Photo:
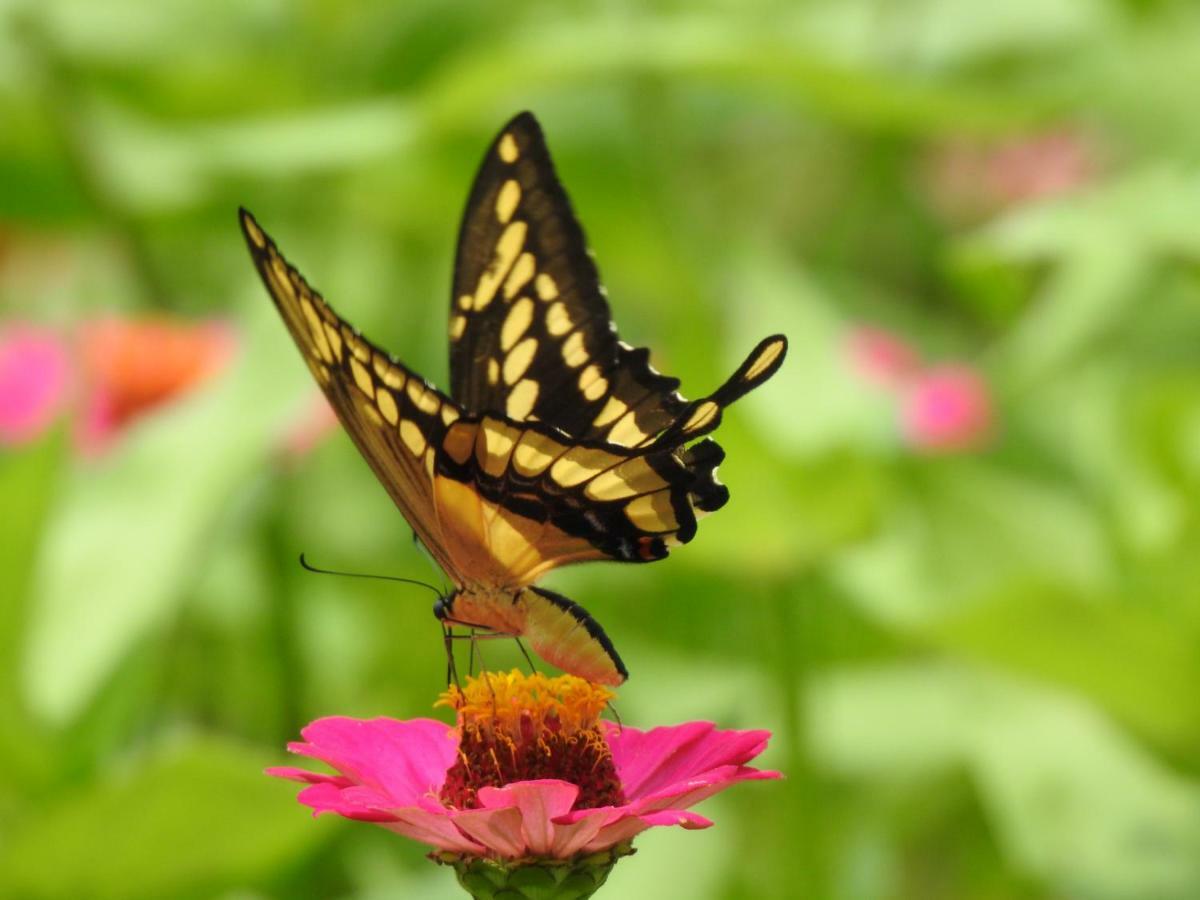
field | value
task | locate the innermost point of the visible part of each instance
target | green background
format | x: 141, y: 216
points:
x: 980, y: 668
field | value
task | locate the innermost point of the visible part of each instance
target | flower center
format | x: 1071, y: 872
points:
x: 516, y: 727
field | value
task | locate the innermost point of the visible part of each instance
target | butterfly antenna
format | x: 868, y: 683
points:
x: 311, y: 568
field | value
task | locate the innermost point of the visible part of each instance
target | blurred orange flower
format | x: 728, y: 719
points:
x: 130, y: 366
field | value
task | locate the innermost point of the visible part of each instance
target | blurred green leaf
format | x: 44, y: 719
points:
x: 189, y: 821
x: 144, y: 517
x: 1073, y: 798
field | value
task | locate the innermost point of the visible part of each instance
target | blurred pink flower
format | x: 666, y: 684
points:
x: 970, y: 179
x: 947, y: 408
x: 450, y: 788
x: 35, y: 381
x: 1040, y: 165
x: 131, y: 366
x: 881, y: 357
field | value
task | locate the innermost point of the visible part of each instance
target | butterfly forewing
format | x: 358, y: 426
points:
x: 395, y: 417
x: 531, y: 335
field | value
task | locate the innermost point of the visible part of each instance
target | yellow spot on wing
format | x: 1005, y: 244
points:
x: 518, y: 359
x: 574, y: 353
x: 701, y: 417
x: 635, y: 476
x: 357, y: 346
x: 254, y: 231
x: 423, y: 399
x: 765, y: 360
x: 652, y: 512
x: 522, y: 271
x: 515, y: 324
x: 612, y: 410
x: 362, y: 378
x: 534, y: 453
x: 581, y: 463
x: 320, y: 341
x: 522, y: 398
x: 545, y: 287
x: 493, y: 445
x: 493, y: 373
x: 558, y: 319
x: 449, y: 413
x: 412, y: 436
x: 626, y: 432
x: 458, y: 324
x: 387, y: 405
x: 387, y: 373
x: 596, y: 389
x: 507, y: 200
x: 335, y: 340
x: 465, y: 301
x: 507, y: 248
x: 508, y: 148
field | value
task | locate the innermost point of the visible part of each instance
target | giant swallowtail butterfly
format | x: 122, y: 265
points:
x: 558, y: 442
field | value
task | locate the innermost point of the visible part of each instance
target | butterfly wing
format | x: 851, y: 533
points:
x: 531, y: 335
x: 394, y: 416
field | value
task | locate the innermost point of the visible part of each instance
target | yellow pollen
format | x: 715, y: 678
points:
x: 500, y: 701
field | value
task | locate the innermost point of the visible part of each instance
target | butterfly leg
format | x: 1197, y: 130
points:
x: 448, y: 638
x: 525, y: 653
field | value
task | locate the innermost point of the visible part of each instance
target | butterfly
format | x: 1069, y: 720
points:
x: 558, y: 442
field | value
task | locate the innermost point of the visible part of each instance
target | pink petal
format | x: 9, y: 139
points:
x: 326, y: 797
x: 629, y: 826
x: 539, y: 802
x: 433, y: 828
x: 658, y: 760
x: 497, y: 829
x: 304, y: 775
x: 686, y: 794
x: 404, y: 760
x: 35, y: 375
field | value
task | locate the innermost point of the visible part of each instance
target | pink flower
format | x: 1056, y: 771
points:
x: 880, y: 356
x: 450, y: 788
x: 947, y: 408
x: 131, y: 366
x: 973, y: 179
x: 35, y: 380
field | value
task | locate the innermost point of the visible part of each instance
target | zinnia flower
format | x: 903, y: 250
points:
x: 947, y: 408
x: 35, y: 381
x: 528, y: 779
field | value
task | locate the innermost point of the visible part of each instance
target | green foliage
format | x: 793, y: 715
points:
x: 980, y: 667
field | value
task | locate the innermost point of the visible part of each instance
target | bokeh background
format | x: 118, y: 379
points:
x: 958, y: 577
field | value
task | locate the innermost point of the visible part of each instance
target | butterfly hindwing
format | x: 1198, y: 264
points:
x: 394, y: 416
x: 531, y: 334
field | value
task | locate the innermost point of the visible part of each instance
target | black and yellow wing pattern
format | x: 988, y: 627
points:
x: 559, y: 443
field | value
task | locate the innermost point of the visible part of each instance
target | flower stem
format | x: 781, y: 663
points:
x: 540, y: 879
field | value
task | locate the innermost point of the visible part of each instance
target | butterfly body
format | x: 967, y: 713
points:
x: 558, y: 442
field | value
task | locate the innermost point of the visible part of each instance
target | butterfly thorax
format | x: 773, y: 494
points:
x: 495, y: 608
